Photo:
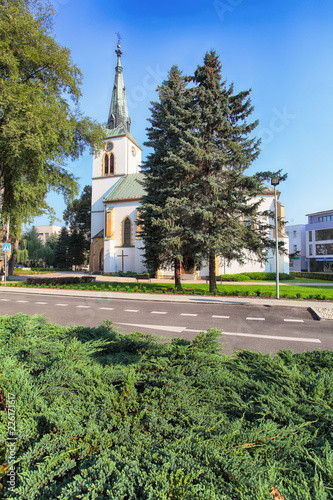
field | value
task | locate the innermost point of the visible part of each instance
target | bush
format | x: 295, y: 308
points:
x: 312, y: 276
x: 105, y: 415
x: 60, y: 280
x: 255, y: 277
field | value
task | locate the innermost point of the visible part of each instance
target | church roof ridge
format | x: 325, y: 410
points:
x: 121, y: 131
x: 128, y: 187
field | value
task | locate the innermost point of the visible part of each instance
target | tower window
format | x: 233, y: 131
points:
x: 106, y: 165
x: 112, y: 163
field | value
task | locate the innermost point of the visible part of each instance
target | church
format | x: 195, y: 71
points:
x: 116, y: 193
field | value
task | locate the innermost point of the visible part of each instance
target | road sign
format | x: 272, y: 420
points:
x: 6, y: 247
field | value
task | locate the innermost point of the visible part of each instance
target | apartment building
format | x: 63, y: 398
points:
x: 319, y: 241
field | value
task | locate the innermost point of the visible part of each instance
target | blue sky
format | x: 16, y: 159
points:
x: 281, y: 49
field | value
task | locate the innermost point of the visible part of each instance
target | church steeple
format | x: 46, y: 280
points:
x: 118, y: 114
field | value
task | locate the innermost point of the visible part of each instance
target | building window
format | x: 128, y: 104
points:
x: 295, y: 248
x: 324, y: 249
x: 112, y: 163
x: 324, y: 234
x: 127, y: 232
x: 310, y: 249
x: 310, y: 235
x: 106, y: 165
x: 294, y: 234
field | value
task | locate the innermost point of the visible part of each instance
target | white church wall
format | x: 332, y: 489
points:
x: 97, y: 222
x: 114, y: 248
x: 139, y: 263
x: 134, y: 158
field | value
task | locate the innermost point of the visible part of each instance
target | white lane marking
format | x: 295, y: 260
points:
x: 41, y: 303
x: 177, y: 329
x: 62, y: 305
x: 84, y: 307
x: 255, y: 319
x: 187, y: 314
x: 294, y: 320
x: 5, y: 300
x: 158, y: 312
x: 107, y: 308
x: 269, y: 337
x: 22, y: 301
x: 180, y: 329
x: 131, y: 310
x: 222, y: 317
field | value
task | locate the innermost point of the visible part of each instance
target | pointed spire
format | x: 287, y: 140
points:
x: 118, y: 114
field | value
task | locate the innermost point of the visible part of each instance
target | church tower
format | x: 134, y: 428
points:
x: 119, y: 163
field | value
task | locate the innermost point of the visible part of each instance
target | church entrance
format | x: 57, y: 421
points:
x: 101, y: 260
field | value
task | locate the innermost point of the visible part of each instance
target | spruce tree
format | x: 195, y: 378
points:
x: 168, y: 171
x: 226, y: 219
x: 61, y: 256
x: 76, y: 248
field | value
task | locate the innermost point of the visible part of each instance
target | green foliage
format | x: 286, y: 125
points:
x: 104, y: 415
x: 77, y: 216
x: 199, y: 202
x: 61, y: 253
x: 256, y: 277
x: 312, y: 276
x: 62, y: 280
x: 41, y: 126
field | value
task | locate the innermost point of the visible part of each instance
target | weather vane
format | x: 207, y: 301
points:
x: 119, y: 38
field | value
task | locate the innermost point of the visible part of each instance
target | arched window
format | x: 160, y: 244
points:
x: 127, y: 232
x: 106, y: 165
x: 111, y: 163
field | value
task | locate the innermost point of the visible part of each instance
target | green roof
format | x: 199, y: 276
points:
x: 127, y: 188
x: 120, y: 131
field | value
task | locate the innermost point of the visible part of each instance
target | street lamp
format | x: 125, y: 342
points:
x: 274, y: 182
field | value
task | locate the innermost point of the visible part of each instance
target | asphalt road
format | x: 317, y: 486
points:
x: 258, y: 327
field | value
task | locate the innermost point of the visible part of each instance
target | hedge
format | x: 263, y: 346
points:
x: 255, y: 277
x: 313, y: 276
x: 61, y: 280
x: 100, y: 415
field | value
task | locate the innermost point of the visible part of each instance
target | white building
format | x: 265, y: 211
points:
x: 319, y: 241
x: 297, y: 247
x: 43, y: 232
x: 116, y: 195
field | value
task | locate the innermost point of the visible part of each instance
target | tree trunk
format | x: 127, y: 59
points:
x: 12, y: 260
x: 178, y: 283
x: 212, y: 271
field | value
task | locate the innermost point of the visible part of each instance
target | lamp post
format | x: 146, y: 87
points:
x: 274, y: 182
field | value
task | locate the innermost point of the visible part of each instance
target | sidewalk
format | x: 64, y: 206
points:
x: 323, y: 310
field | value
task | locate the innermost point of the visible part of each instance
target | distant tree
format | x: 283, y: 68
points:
x: 76, y: 251
x: 41, y: 126
x: 22, y: 252
x: 52, y: 241
x: 61, y: 253
x: 34, y: 246
x: 77, y: 216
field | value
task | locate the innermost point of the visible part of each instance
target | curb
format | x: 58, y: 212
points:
x: 321, y: 313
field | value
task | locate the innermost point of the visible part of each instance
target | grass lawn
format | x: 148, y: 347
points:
x: 287, y: 290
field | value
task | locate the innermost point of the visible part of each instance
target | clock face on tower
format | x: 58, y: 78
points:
x: 109, y: 146
x: 133, y: 151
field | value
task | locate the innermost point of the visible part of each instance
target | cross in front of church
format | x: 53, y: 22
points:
x: 122, y: 255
